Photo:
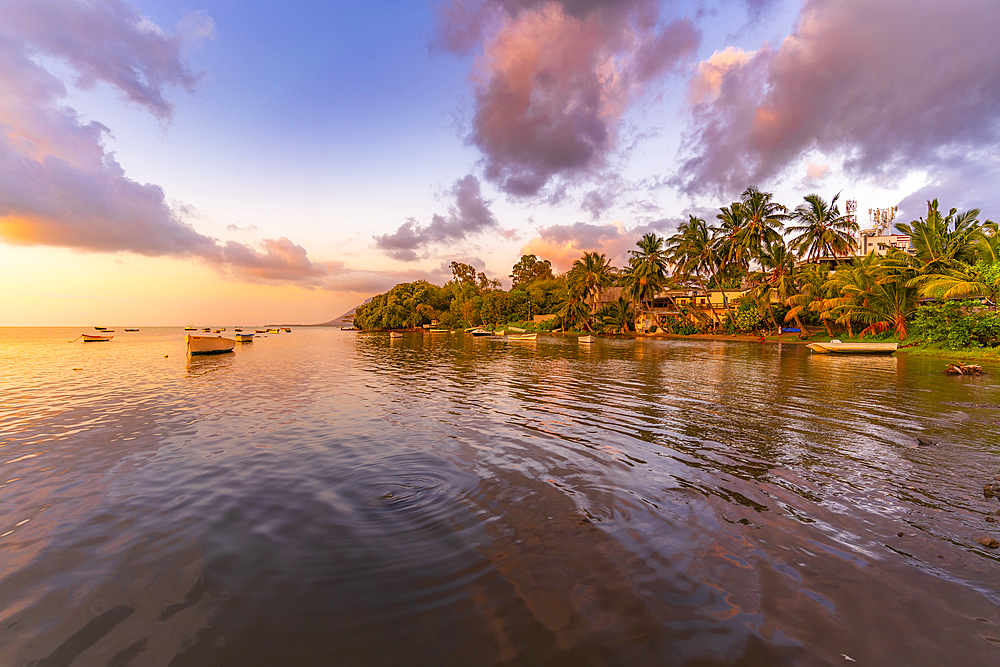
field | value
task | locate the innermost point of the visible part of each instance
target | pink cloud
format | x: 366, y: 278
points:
x: 58, y: 184
x: 564, y: 244
x: 888, y: 90
x: 555, y: 78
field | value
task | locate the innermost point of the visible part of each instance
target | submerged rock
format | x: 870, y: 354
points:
x: 988, y: 542
x: 991, y: 489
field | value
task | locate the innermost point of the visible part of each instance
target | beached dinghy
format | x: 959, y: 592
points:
x: 209, y: 344
x: 531, y: 336
x: 837, y: 347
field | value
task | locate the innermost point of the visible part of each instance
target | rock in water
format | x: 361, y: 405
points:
x: 925, y: 443
x: 991, y: 489
x: 988, y: 542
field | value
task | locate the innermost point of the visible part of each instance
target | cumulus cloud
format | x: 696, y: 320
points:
x: 58, y: 184
x: 469, y: 215
x: 555, y: 77
x: 884, y: 90
x: 564, y: 244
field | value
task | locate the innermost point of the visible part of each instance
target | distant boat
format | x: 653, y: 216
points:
x: 94, y: 338
x: 244, y: 338
x: 837, y: 347
x: 207, y: 329
x: 499, y: 332
x: 348, y: 328
x: 438, y: 331
x: 101, y: 328
x: 190, y: 328
x: 209, y: 344
x: 260, y: 330
x: 131, y: 330
x: 286, y: 329
x: 395, y: 334
x: 238, y: 329
x: 531, y: 336
x: 481, y: 332
x: 274, y: 331
x: 586, y: 339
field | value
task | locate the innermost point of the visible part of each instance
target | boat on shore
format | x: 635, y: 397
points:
x: 527, y: 336
x: 94, y: 338
x: 209, y: 344
x: 836, y: 347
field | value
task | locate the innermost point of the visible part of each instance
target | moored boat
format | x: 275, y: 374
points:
x: 132, y: 330
x: 94, y: 338
x: 274, y: 331
x: 190, y: 328
x: 531, y: 336
x: 286, y: 329
x: 586, y: 339
x: 481, y: 332
x: 395, y: 334
x: 209, y: 344
x: 835, y: 346
x: 244, y: 338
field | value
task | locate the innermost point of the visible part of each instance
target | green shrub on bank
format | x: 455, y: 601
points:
x: 954, y: 323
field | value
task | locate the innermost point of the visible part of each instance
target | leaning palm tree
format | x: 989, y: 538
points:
x: 979, y: 280
x: 776, y: 280
x: 822, y: 230
x: 590, y: 274
x: 811, y: 293
x: 646, y: 274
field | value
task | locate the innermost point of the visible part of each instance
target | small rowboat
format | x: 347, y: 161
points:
x: 209, y: 344
x: 132, y: 330
x: 837, y: 347
x: 586, y: 339
x: 395, y: 334
x: 438, y: 331
x: 273, y: 331
x: 94, y: 338
x: 286, y: 329
x: 531, y: 336
x: 244, y: 338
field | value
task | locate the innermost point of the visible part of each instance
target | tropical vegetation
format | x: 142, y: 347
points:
x: 768, y: 265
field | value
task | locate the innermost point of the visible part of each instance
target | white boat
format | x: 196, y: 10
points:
x: 515, y: 329
x: 94, y: 338
x: 209, y: 344
x: 586, y: 339
x: 499, y: 332
x: 531, y: 336
x: 836, y: 347
x: 481, y: 332
x: 395, y: 334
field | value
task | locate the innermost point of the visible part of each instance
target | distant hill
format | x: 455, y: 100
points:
x: 345, y: 320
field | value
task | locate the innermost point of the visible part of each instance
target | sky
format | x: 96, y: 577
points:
x: 222, y: 162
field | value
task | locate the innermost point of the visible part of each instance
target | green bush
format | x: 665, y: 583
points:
x: 747, y: 317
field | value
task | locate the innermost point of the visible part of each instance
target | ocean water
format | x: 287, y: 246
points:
x: 336, y: 498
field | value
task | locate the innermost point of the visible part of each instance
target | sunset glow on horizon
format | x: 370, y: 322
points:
x: 250, y: 163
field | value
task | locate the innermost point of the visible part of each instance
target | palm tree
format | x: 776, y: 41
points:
x: 727, y: 235
x: 762, y: 217
x: 941, y: 242
x: 618, y: 316
x: 590, y: 274
x: 811, y: 281
x: 823, y: 230
x: 873, y: 291
x: 647, y: 271
x: 775, y: 280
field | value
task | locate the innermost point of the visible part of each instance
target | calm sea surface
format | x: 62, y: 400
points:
x: 333, y: 498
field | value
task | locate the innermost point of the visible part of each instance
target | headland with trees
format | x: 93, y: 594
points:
x: 773, y: 266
